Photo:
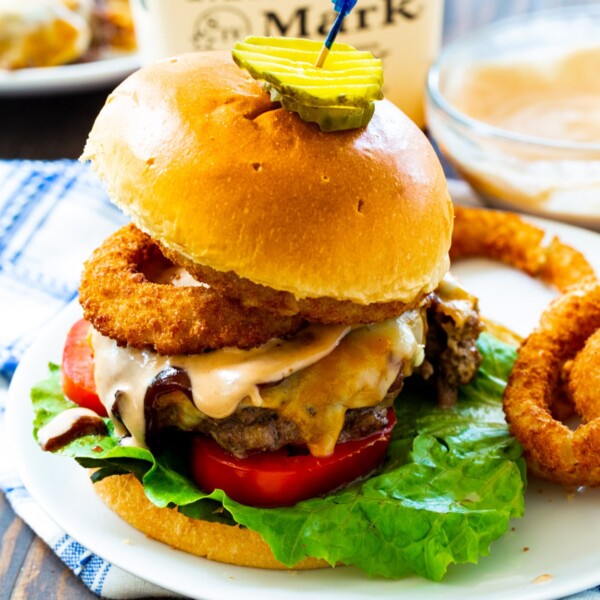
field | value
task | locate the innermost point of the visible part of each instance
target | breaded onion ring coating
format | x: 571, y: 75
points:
x: 316, y: 310
x: 584, y: 379
x: 507, y: 238
x: 123, y: 304
x: 553, y: 450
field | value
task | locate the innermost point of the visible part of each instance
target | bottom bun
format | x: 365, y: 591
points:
x: 234, y: 545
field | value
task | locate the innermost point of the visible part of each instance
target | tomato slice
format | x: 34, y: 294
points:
x: 78, y: 369
x: 283, y: 478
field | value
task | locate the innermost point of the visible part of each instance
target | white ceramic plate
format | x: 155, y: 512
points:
x: 69, y: 78
x: 553, y: 551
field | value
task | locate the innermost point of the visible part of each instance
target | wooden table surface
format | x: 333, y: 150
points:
x: 54, y: 127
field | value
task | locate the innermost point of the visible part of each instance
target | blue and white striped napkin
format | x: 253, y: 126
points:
x: 52, y: 215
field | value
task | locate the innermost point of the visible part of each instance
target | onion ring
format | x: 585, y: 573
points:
x: 316, y: 310
x: 123, y: 304
x: 584, y: 379
x: 552, y: 450
x: 507, y: 238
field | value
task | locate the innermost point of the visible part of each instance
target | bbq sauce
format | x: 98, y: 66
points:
x: 169, y: 380
x: 68, y: 426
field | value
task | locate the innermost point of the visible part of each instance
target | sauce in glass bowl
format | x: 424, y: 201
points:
x: 556, y: 97
x: 516, y: 109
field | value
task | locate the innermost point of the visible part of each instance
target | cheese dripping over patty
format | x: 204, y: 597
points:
x: 315, y: 376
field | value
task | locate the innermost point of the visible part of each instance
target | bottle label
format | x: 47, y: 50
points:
x: 405, y: 33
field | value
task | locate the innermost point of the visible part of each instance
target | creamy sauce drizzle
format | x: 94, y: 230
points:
x: 357, y: 374
x: 67, y: 422
x: 220, y: 380
x: 317, y: 375
x: 326, y: 368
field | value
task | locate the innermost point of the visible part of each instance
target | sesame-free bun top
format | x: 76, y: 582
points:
x: 194, y: 150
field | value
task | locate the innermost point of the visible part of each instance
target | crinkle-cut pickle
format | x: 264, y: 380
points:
x: 338, y: 96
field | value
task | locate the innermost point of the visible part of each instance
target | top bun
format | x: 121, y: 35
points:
x: 194, y: 150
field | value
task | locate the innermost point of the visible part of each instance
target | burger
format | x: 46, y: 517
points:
x: 248, y: 334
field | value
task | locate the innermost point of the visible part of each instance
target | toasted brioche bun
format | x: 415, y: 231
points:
x: 215, y: 541
x: 194, y: 150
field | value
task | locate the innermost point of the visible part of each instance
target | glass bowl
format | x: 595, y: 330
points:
x: 524, y: 163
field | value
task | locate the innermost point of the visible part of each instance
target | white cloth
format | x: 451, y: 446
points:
x: 52, y: 215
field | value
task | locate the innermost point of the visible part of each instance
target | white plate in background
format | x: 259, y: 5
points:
x: 79, y: 77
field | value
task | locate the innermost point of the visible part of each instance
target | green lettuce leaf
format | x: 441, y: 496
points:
x: 452, y: 480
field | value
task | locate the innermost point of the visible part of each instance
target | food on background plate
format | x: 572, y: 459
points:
x: 336, y: 242
x: 567, y: 332
x: 112, y: 26
x: 36, y: 33
x: 48, y: 33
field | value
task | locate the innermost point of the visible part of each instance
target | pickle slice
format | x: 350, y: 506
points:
x: 340, y: 95
x: 307, y: 56
x: 335, y: 118
x: 294, y: 43
x: 268, y: 65
x: 330, y: 118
